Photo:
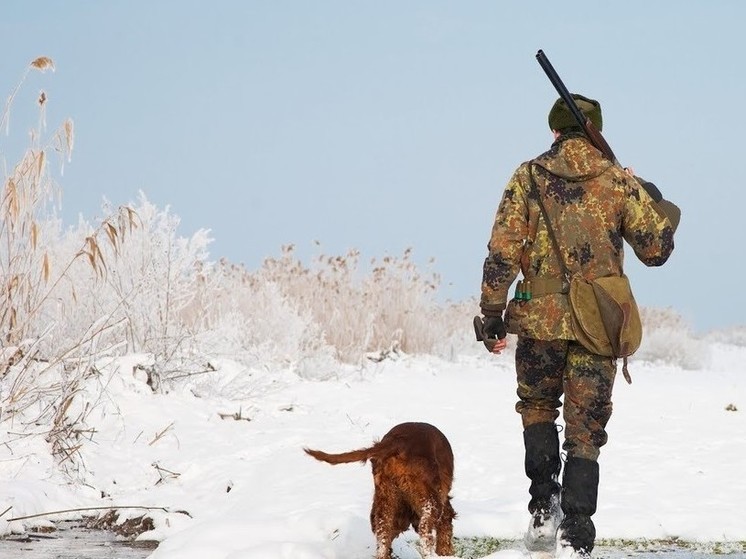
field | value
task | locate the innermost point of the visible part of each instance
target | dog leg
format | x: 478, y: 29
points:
x: 381, y: 522
x: 430, y: 512
x: 444, y: 530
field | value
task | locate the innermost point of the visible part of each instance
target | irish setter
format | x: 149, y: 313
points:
x: 412, y: 477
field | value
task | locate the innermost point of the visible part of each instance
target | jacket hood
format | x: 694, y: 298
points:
x: 573, y: 158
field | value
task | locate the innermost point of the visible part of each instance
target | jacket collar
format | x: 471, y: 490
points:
x: 574, y: 158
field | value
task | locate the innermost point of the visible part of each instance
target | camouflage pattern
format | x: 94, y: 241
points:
x: 593, y: 206
x: 548, y: 369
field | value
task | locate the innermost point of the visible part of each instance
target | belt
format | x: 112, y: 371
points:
x: 527, y: 289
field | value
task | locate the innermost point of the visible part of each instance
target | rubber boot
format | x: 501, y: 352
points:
x: 577, y: 534
x: 542, y: 465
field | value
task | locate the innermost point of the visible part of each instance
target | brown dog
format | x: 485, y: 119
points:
x: 412, y: 476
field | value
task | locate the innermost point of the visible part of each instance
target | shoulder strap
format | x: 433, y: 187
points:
x: 565, y: 271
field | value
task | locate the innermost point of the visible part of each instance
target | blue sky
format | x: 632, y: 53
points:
x: 385, y: 125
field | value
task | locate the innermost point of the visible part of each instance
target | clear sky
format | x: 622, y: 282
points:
x: 385, y: 125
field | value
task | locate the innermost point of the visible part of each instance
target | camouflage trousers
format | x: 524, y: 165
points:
x: 551, y: 371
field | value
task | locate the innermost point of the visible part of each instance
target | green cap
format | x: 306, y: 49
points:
x: 561, y: 118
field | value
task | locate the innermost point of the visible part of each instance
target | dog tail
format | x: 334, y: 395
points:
x: 361, y: 455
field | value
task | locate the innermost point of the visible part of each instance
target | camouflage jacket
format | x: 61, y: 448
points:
x: 593, y: 205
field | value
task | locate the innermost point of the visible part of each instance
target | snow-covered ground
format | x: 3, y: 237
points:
x: 222, y: 454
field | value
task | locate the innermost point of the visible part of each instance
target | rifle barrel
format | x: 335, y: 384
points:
x: 593, y: 135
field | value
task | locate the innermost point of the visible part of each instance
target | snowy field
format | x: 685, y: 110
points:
x: 234, y: 483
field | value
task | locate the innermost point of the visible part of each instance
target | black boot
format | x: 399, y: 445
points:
x: 579, y: 497
x: 542, y: 468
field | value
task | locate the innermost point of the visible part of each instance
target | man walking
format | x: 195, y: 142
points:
x: 592, y: 206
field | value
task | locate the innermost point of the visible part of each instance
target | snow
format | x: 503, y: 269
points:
x: 220, y: 456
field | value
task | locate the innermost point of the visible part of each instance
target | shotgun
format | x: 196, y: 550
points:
x: 593, y: 135
x: 672, y: 211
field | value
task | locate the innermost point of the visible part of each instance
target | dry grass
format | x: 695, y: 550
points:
x: 336, y: 305
x: 38, y: 280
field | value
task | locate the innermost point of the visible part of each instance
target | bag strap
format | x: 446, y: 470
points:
x: 565, y: 271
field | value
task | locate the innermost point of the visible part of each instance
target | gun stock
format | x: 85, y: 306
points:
x: 593, y: 134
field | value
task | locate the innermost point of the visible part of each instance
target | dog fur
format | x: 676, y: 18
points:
x: 412, y: 477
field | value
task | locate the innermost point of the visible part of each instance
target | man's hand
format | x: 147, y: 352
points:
x: 491, y: 331
x: 493, y: 327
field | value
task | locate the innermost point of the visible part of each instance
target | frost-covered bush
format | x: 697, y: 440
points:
x: 668, y: 338
x: 390, y: 306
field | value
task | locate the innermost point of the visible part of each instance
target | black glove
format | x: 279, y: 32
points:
x: 651, y: 189
x: 493, y: 327
x: 489, y: 329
